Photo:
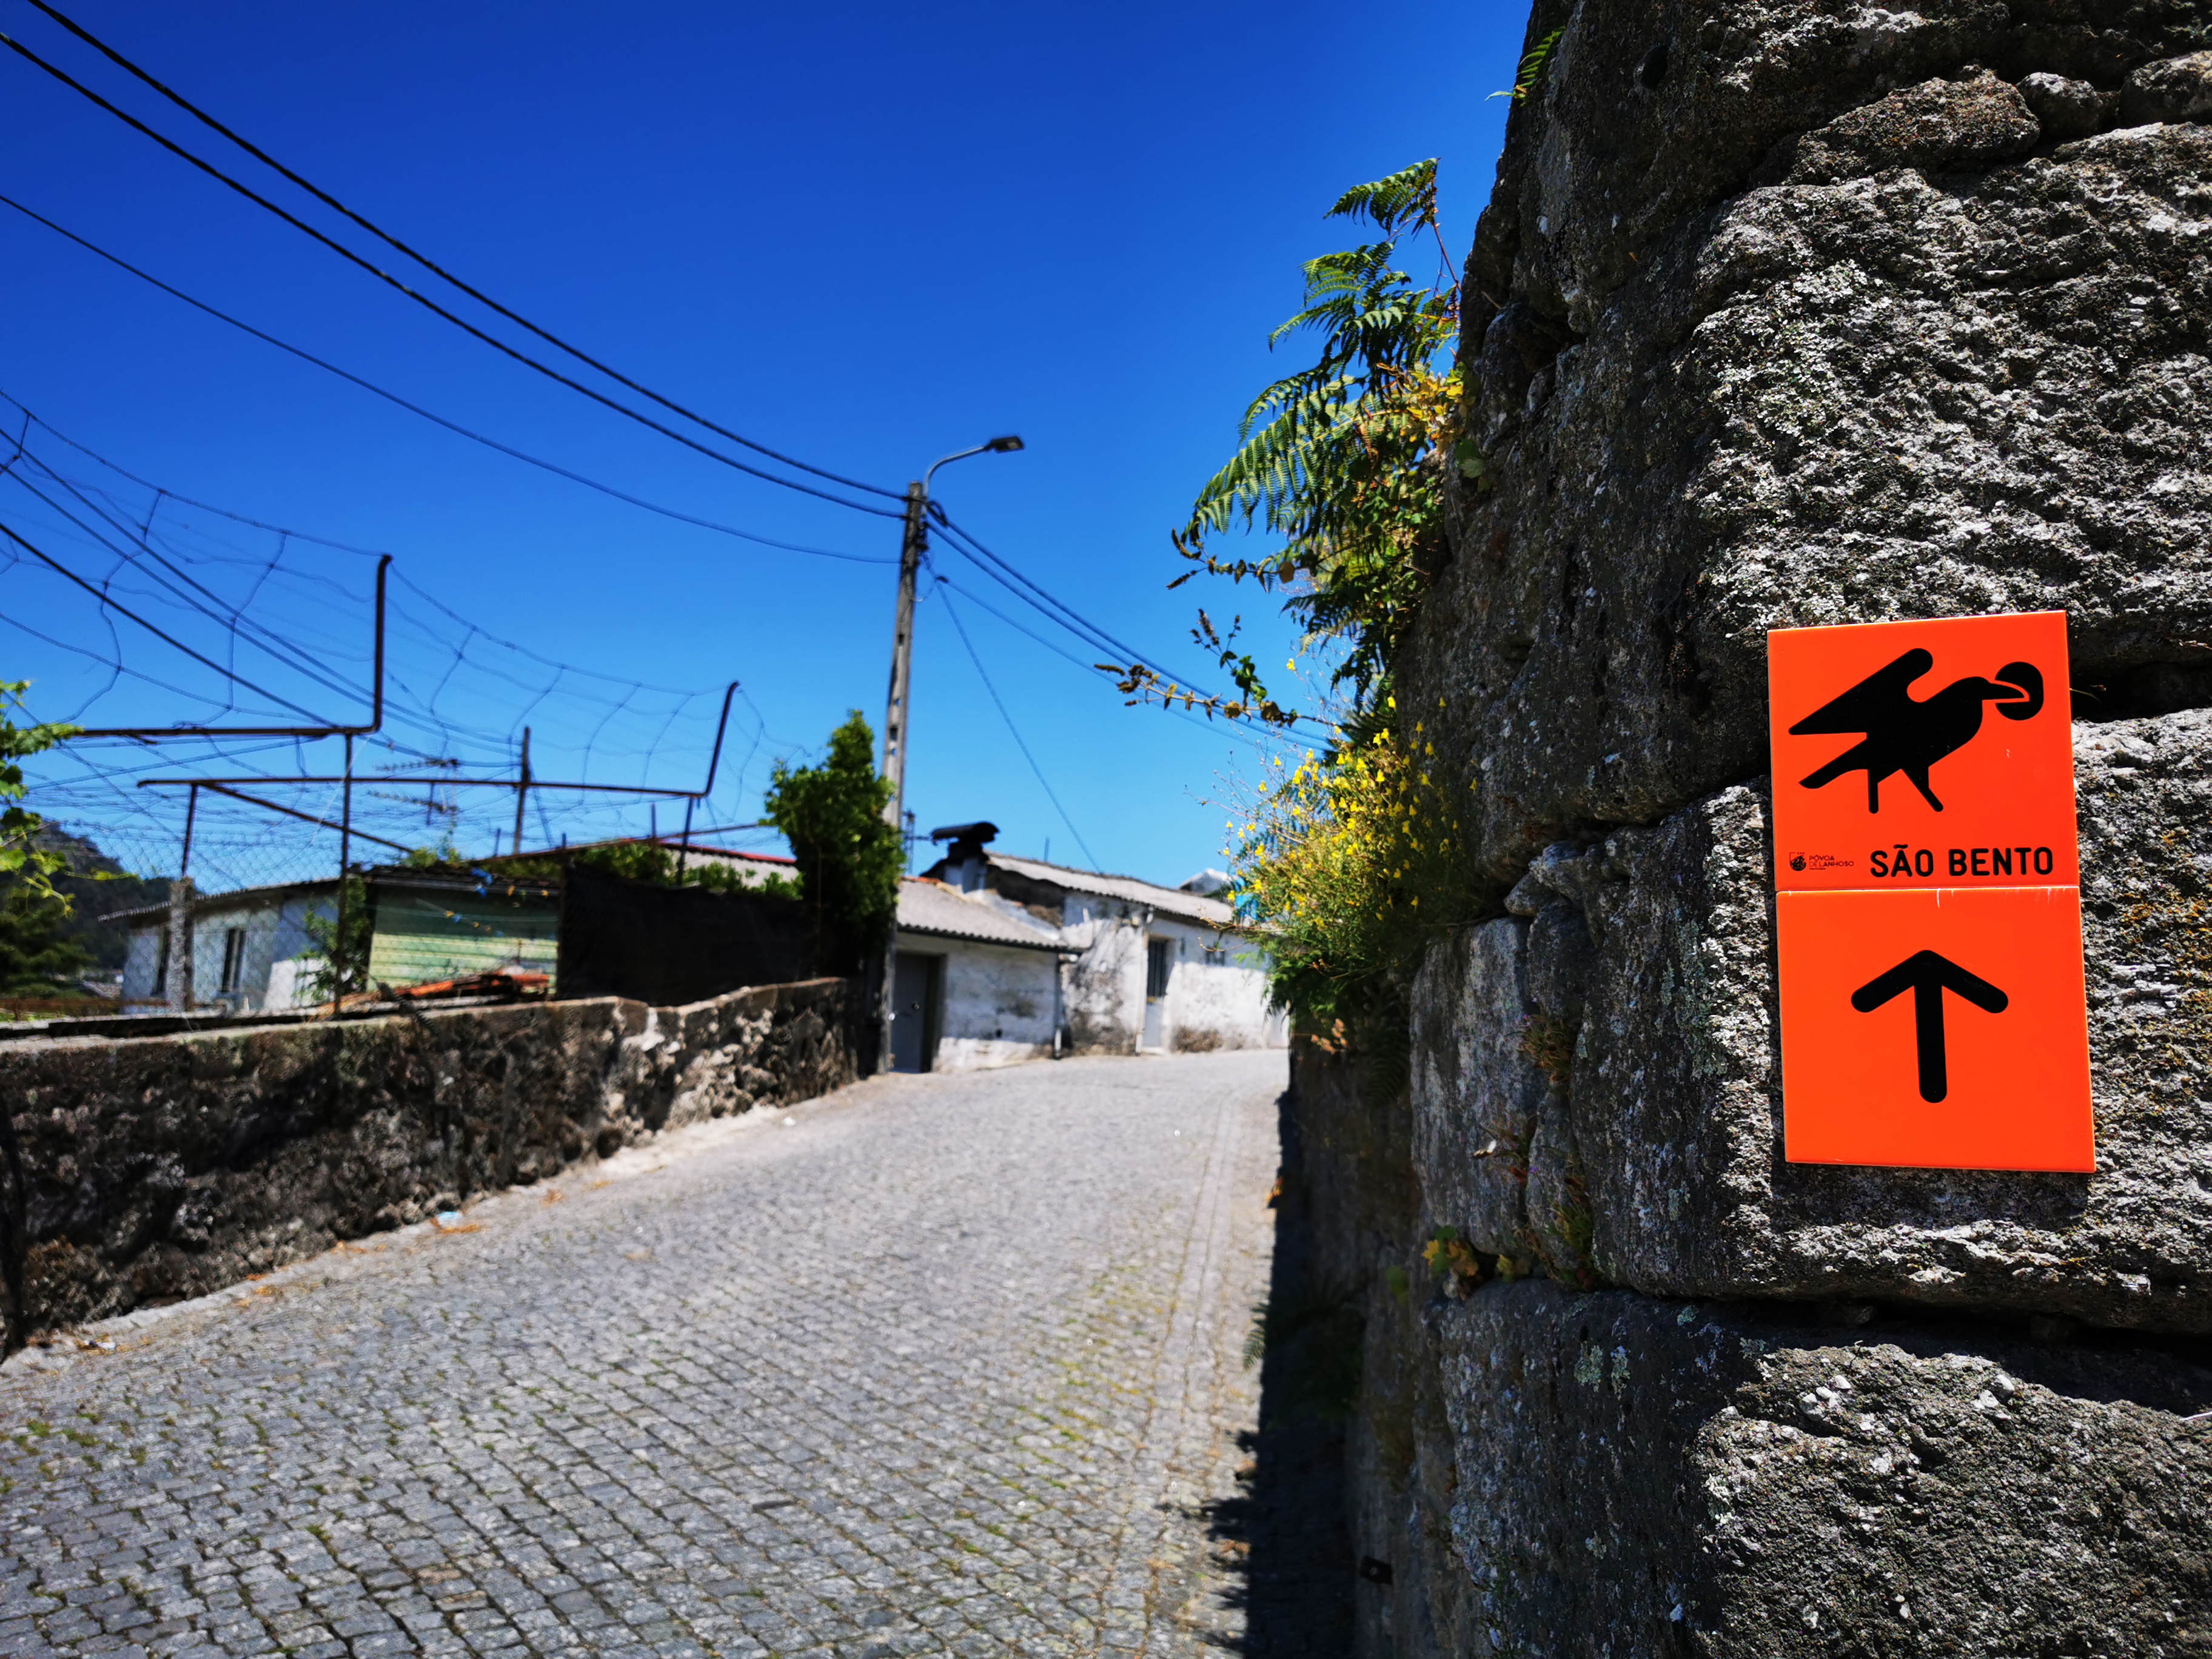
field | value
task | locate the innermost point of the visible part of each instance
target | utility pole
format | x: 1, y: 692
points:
x: 912, y: 545
x: 339, y: 965
x: 177, y: 991
x: 522, y: 789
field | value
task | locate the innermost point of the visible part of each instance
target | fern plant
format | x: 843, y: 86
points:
x: 1331, y: 457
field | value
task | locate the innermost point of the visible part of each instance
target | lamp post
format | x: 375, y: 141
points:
x: 912, y: 544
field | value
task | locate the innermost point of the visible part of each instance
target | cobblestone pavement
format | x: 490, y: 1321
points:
x: 939, y: 1365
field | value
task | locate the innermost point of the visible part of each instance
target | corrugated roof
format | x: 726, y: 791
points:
x: 930, y: 907
x: 1172, y: 901
x: 229, y: 900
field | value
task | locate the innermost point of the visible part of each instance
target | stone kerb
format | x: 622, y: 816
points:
x: 152, y: 1170
x: 1650, y: 1154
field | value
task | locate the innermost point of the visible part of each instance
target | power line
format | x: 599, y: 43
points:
x: 1045, y: 604
x: 166, y: 638
x: 430, y: 264
x: 461, y: 323
x: 999, y: 703
x: 416, y: 409
x: 290, y: 656
x: 1260, y: 734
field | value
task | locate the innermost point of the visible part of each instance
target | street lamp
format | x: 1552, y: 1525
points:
x: 911, y: 547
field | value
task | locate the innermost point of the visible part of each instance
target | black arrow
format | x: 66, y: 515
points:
x: 1928, y: 976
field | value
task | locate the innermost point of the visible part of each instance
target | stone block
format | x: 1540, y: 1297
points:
x: 2172, y: 89
x: 1879, y: 392
x: 1676, y: 1112
x: 1477, y: 1088
x: 1646, y: 1477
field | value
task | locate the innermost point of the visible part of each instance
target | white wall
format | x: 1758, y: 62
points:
x: 1105, y: 992
x: 138, y: 984
x: 999, y: 1003
x: 1218, y: 1005
x: 1209, y: 1005
x: 273, y: 975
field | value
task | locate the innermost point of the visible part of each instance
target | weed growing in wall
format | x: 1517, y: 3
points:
x: 1352, y: 861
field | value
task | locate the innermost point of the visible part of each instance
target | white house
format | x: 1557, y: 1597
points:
x: 1003, y: 959
x: 251, y: 951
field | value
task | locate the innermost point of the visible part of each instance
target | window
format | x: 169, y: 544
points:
x: 1160, y: 957
x: 234, y: 957
x: 1216, y: 954
x: 162, y: 964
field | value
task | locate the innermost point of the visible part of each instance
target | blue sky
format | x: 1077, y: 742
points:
x: 864, y: 235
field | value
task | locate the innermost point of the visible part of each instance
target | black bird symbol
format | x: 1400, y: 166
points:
x: 1903, y: 735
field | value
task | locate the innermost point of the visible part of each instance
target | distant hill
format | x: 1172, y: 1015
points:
x: 91, y: 897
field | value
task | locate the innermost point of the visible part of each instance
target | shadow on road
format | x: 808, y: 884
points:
x: 1286, y: 1528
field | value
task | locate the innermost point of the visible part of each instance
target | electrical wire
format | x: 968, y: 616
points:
x: 461, y: 323
x: 1258, y: 734
x: 416, y: 409
x: 430, y: 264
x: 1046, y: 604
x: 998, y: 702
x: 290, y: 656
x: 169, y: 639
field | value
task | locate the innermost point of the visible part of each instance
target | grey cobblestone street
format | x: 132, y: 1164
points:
x: 940, y: 1364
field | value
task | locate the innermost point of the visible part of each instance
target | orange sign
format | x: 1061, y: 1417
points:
x: 1928, y: 895
x: 1935, y: 1028
x: 1923, y: 754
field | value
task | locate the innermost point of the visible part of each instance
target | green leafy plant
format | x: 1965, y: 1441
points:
x: 1334, y: 458
x: 1550, y: 1041
x: 330, y: 981
x: 1353, y: 861
x: 21, y: 857
x: 850, y: 857
x: 1451, y: 1257
x: 36, y: 955
x: 1533, y: 63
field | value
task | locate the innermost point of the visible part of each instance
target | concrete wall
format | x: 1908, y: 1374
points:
x: 1218, y: 1001
x: 151, y: 1170
x: 1105, y: 985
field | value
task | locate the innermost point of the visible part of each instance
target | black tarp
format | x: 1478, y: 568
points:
x: 667, y: 946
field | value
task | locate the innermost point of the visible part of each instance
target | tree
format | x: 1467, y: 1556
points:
x: 1353, y: 862
x: 850, y: 859
x: 37, y: 959
x: 34, y: 955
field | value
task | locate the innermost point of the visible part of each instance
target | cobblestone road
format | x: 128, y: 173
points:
x: 940, y: 1364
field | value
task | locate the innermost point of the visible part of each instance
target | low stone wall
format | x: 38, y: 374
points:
x: 144, y: 1170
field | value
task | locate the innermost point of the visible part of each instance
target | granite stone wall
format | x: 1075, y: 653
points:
x: 1790, y: 314
x: 148, y: 1169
